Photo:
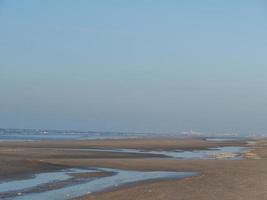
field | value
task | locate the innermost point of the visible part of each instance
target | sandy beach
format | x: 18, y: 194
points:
x: 225, y: 179
x: 133, y: 100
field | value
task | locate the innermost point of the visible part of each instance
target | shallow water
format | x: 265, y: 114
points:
x: 120, y: 177
x: 178, y: 154
x: 40, y: 179
x: 224, y: 139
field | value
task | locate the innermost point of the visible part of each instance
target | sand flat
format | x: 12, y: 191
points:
x: 220, y: 179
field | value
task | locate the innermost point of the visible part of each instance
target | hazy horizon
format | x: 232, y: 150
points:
x: 142, y: 66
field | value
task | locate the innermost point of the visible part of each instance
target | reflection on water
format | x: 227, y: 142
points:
x: 28, y: 189
x: 224, y: 139
x: 39, y: 179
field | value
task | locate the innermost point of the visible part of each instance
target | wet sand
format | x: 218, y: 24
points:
x: 219, y: 179
x: 145, y: 143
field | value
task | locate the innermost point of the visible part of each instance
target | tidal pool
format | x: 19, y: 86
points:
x: 28, y: 189
x: 224, y: 139
x: 39, y: 179
x: 180, y: 154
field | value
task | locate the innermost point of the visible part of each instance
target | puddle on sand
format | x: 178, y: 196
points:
x: 89, y: 185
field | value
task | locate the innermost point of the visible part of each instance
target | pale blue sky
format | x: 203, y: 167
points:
x: 144, y: 66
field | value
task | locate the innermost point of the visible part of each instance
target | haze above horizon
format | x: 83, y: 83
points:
x: 141, y: 66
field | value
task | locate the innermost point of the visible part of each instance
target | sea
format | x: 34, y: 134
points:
x: 42, y: 134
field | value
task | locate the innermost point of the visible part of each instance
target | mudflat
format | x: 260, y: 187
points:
x: 218, y: 179
x: 144, y: 143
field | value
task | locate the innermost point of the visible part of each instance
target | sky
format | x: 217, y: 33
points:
x: 138, y: 66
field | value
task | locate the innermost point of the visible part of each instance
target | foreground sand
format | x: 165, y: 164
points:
x: 220, y: 179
